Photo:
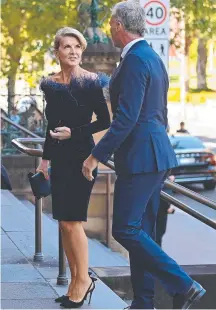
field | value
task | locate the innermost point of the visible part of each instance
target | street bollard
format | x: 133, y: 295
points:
x: 108, y: 211
x: 62, y: 277
x: 38, y: 256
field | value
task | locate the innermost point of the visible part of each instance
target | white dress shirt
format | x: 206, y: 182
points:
x: 129, y: 45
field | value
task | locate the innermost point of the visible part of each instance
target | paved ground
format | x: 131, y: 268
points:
x: 26, y: 285
x: 29, y: 285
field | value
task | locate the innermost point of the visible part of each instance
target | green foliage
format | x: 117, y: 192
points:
x: 193, y: 51
x: 200, y: 26
x: 200, y: 17
x: 28, y: 28
x: 107, y: 7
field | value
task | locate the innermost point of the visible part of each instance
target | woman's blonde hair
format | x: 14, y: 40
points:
x: 69, y: 32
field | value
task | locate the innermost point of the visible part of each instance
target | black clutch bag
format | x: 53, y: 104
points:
x: 39, y: 185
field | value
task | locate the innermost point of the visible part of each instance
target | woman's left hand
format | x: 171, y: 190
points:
x: 61, y: 133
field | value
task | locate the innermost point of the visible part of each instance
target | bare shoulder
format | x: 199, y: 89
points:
x: 89, y: 75
x: 56, y: 77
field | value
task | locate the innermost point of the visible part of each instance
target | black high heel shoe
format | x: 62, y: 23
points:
x: 70, y: 304
x: 64, y: 298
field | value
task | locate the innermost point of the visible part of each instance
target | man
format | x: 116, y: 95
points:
x: 165, y: 208
x: 182, y: 128
x: 142, y: 157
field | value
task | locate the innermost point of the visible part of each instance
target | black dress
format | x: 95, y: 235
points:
x: 73, y: 106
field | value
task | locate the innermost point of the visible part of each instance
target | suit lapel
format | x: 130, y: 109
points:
x: 116, y: 72
x: 113, y: 87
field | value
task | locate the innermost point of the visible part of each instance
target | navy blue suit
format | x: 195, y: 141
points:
x: 142, y: 156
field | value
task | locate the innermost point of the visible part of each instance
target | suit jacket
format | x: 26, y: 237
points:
x: 137, y: 136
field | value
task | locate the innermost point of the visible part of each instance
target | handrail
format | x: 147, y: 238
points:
x: 182, y: 190
x: 23, y: 129
x: 19, y: 144
x: 199, y: 216
x: 189, y: 193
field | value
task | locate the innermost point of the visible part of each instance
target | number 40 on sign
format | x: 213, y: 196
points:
x: 157, y: 18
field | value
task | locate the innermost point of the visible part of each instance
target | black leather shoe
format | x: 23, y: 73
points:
x: 188, y: 300
x: 74, y: 304
x: 62, y: 298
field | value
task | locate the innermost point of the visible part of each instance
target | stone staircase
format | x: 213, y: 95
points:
x: 30, y: 285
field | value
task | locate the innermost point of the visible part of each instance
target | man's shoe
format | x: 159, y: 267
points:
x: 188, y: 300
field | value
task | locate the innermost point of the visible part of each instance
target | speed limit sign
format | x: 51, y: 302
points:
x: 156, y: 13
x: 157, y: 26
x: 157, y: 18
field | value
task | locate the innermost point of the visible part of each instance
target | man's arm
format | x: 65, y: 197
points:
x: 132, y: 90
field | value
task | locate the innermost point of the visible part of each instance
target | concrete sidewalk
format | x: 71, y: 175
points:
x: 29, y: 285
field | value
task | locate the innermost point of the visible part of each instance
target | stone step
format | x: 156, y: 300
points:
x: 119, y: 259
x: 118, y: 279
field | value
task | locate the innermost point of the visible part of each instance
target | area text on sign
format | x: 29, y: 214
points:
x: 155, y: 31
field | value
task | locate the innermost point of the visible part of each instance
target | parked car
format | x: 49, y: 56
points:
x: 196, y: 163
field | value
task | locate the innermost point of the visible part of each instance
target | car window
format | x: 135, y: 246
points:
x: 186, y: 143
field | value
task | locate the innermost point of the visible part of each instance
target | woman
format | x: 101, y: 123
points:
x: 72, y: 95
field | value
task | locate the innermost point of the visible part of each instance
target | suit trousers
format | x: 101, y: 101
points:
x: 136, y: 203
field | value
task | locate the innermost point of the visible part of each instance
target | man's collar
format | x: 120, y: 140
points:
x: 129, y: 45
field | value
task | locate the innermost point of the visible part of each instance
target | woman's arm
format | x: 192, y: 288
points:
x: 48, y: 139
x: 44, y: 164
x: 47, y: 150
x: 102, y: 113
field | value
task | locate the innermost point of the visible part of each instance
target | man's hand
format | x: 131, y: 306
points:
x: 61, y: 133
x: 88, y: 166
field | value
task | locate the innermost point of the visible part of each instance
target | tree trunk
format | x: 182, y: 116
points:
x: 15, y: 56
x: 187, y: 73
x: 188, y: 42
x: 201, y: 64
x: 11, y: 91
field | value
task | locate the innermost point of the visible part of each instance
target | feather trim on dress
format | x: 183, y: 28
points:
x: 101, y: 80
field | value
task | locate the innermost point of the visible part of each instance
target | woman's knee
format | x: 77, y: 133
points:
x: 69, y: 226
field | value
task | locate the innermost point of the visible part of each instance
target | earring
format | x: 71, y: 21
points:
x: 80, y: 62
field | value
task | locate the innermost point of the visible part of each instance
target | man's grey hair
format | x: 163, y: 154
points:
x: 132, y: 16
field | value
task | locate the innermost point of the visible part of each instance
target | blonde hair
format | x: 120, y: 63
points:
x: 69, y: 32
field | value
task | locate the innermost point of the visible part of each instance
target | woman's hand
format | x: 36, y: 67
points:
x: 61, y: 133
x: 43, y: 167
